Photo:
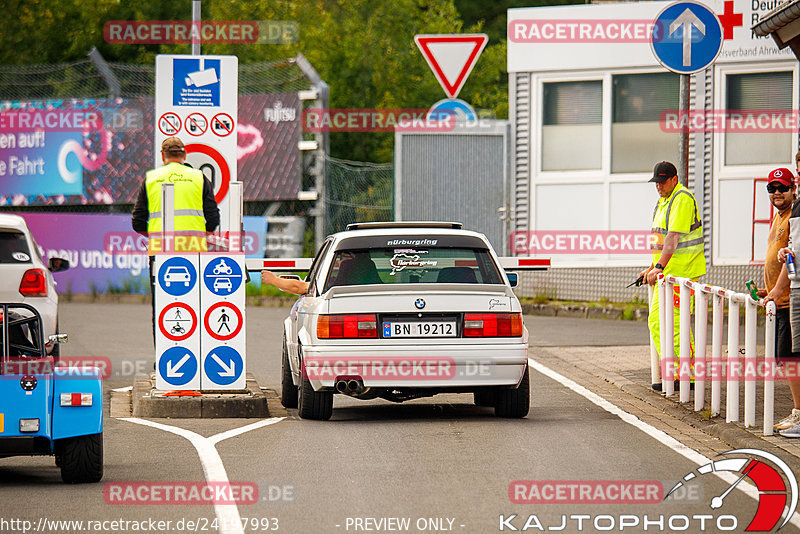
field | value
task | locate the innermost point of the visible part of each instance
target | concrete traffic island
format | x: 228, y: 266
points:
x: 147, y: 401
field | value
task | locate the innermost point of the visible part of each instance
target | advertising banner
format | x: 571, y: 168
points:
x: 105, y: 255
x: 97, y: 151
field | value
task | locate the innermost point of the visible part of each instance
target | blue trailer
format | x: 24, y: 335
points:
x: 47, y: 408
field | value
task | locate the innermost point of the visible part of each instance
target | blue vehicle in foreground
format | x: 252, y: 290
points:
x: 47, y: 408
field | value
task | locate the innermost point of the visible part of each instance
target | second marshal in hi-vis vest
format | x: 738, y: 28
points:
x: 678, y: 213
x: 190, y: 224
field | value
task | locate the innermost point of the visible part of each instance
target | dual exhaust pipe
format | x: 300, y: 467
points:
x: 350, y: 386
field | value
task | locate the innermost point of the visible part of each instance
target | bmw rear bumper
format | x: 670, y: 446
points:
x: 417, y: 366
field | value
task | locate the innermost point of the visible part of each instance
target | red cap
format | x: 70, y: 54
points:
x: 782, y: 176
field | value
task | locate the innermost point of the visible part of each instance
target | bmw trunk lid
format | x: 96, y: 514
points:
x: 423, y: 298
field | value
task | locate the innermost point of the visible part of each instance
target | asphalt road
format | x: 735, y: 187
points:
x: 442, y: 464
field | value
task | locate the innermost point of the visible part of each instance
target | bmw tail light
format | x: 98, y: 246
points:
x: 492, y: 324
x: 347, y: 326
x: 33, y: 283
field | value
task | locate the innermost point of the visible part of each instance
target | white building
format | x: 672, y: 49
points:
x: 589, y: 109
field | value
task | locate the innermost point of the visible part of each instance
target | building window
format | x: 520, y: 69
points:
x: 572, y: 135
x: 747, y: 96
x: 637, y: 139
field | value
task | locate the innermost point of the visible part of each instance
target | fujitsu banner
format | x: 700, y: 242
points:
x: 618, y: 35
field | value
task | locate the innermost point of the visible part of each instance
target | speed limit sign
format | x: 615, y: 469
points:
x: 213, y: 165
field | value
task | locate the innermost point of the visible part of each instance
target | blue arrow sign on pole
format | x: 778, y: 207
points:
x: 687, y: 37
x: 223, y: 365
x: 177, y: 366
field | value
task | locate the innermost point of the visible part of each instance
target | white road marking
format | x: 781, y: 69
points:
x: 659, y: 435
x: 228, y: 514
x: 126, y: 388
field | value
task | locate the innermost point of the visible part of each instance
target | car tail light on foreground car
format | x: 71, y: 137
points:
x: 76, y: 399
x: 492, y: 324
x: 33, y: 283
x: 347, y: 326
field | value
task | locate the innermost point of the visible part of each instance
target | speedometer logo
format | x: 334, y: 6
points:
x: 768, y: 477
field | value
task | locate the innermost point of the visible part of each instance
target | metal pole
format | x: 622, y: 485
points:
x: 655, y: 372
x: 235, y: 220
x: 769, y: 373
x: 683, y: 142
x: 700, y: 329
x: 750, y: 363
x: 196, y: 18
x: 716, y: 353
x: 685, y: 356
x: 732, y: 383
x: 167, y: 217
x: 668, y: 339
x: 114, y: 87
x: 662, y: 321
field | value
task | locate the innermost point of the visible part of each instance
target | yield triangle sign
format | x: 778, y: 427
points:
x: 451, y: 57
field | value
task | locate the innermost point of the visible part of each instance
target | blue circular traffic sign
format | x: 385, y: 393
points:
x: 223, y: 365
x: 177, y: 276
x: 222, y: 275
x: 177, y: 366
x: 687, y: 37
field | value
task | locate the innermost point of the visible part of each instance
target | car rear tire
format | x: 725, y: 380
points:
x: 514, y: 402
x: 288, y: 389
x: 484, y: 397
x: 81, y: 459
x: 316, y: 405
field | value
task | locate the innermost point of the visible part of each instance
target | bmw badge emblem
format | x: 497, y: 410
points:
x: 419, y: 303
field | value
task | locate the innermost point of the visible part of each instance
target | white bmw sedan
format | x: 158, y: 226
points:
x: 24, y: 276
x: 406, y: 310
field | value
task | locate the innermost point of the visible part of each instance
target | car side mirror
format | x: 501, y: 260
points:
x: 56, y: 265
x: 57, y: 338
x: 513, y: 279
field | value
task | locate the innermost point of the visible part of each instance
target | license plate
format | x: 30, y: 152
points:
x: 419, y: 329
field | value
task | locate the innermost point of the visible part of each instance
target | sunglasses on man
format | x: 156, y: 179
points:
x: 779, y: 188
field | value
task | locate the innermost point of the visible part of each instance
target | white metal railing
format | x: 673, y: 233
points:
x: 734, y: 371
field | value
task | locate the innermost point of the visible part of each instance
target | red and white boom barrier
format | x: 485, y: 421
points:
x: 735, y: 371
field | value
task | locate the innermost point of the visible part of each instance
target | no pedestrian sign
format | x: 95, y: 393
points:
x: 223, y: 321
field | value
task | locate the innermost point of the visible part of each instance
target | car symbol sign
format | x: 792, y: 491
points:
x: 419, y: 303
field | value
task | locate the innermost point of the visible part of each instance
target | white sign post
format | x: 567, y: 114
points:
x: 177, y: 297
x: 197, y: 100
x: 222, y: 281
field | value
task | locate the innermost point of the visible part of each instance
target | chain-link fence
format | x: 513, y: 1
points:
x: 358, y: 192
x: 84, y: 79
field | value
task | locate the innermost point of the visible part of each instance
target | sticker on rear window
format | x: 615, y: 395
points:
x: 21, y: 256
x: 403, y: 261
x: 411, y: 242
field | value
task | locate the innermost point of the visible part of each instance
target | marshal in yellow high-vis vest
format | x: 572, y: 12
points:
x: 676, y: 245
x: 190, y: 223
x: 196, y: 211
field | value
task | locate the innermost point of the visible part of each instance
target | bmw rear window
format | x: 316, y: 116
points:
x: 412, y: 266
x: 14, y: 247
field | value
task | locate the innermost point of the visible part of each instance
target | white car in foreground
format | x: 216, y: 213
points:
x: 24, y: 276
x: 406, y: 310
